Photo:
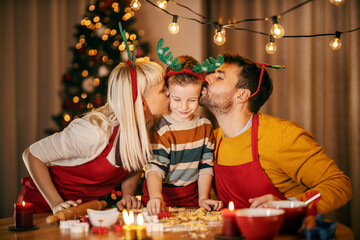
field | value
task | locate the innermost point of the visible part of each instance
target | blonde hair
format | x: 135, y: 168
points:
x: 120, y: 109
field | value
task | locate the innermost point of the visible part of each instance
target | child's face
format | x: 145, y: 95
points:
x: 184, y: 100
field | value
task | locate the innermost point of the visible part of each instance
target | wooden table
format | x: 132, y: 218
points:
x: 53, y: 232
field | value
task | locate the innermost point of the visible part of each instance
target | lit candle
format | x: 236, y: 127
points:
x: 23, y: 214
x: 229, y: 227
x: 129, y: 220
x: 140, y: 229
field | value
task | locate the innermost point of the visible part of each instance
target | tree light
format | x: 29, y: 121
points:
x: 337, y: 2
x: 335, y: 43
x: 277, y: 30
x: 135, y: 5
x: 162, y: 4
x: 219, y: 37
x: 271, y: 47
x: 173, y: 26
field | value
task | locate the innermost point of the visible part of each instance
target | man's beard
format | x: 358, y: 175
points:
x: 218, y: 104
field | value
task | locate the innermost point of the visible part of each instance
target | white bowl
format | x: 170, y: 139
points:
x: 282, y: 204
x: 108, y: 217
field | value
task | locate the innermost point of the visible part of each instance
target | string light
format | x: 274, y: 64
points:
x: 335, y: 43
x: 337, y: 2
x: 135, y: 5
x: 162, y: 4
x: 276, y: 30
x: 219, y: 37
x: 271, y: 47
x: 173, y: 26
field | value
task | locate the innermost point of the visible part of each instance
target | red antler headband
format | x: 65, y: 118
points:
x: 263, y: 65
x: 170, y: 73
x: 131, y: 64
x: 169, y: 60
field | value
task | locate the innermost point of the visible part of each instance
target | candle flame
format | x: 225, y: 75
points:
x: 23, y: 203
x: 140, y: 219
x: 126, y: 217
x: 231, y: 206
x: 131, y: 217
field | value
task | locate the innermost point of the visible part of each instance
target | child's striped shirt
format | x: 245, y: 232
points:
x: 182, y: 150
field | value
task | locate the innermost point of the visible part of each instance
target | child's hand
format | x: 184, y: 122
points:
x: 210, y: 204
x: 154, y: 205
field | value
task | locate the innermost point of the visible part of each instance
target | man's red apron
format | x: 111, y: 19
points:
x: 239, y: 183
x: 186, y: 196
x: 89, y: 181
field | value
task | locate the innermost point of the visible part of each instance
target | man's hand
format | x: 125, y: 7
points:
x: 65, y: 205
x: 210, y: 204
x: 154, y: 205
x: 129, y: 202
x: 260, y: 201
x: 309, y: 222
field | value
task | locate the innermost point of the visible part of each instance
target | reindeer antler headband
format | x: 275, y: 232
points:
x: 131, y: 63
x: 169, y: 60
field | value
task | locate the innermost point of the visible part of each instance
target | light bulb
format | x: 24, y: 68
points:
x: 135, y: 5
x: 337, y: 2
x: 277, y: 30
x: 162, y: 4
x: 335, y: 44
x: 271, y: 47
x: 219, y: 37
x: 173, y: 26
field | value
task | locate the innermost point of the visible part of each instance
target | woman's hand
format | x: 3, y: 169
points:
x: 260, y: 201
x: 210, y: 204
x: 65, y: 205
x: 154, y: 205
x: 129, y: 202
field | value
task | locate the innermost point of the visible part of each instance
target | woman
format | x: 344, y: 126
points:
x: 105, y: 147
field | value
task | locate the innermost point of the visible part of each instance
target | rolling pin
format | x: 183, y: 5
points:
x: 79, y: 210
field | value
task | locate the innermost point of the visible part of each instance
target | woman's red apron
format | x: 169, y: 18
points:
x: 186, y: 196
x: 89, y: 181
x: 239, y: 183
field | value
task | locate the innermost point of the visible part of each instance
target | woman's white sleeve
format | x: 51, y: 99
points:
x: 79, y: 142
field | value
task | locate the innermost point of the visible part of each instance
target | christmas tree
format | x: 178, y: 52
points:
x: 99, y: 49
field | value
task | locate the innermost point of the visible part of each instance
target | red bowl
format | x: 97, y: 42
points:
x: 295, y: 212
x: 259, y: 223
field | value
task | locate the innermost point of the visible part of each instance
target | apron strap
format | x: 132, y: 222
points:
x: 254, y: 137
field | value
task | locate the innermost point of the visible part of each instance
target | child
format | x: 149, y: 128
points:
x: 181, y: 171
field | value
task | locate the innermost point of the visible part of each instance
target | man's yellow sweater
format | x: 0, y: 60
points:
x: 293, y: 161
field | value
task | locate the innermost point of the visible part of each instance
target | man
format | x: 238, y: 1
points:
x: 259, y: 158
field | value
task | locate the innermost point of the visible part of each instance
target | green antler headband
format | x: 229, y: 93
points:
x: 208, y: 66
x: 169, y: 60
x: 131, y: 63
